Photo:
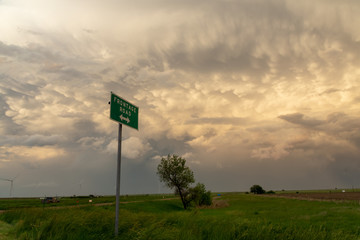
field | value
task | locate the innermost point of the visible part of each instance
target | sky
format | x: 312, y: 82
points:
x: 247, y: 91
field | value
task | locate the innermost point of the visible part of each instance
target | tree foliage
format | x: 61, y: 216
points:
x: 257, y: 189
x: 199, y: 196
x: 173, y: 171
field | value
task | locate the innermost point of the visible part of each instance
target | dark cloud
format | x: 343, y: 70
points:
x: 32, y: 53
x: 302, y: 120
x: 17, y: 88
x: 7, y: 125
x: 164, y: 146
x: 83, y: 128
x: 345, y: 167
x: 337, y: 125
x: 329, y: 91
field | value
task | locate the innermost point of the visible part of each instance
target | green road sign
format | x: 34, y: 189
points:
x: 123, y: 111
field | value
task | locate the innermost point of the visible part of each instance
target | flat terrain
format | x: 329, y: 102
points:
x: 338, y: 196
x: 18, y: 203
x: 296, y: 216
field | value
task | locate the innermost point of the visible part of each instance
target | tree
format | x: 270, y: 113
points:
x: 176, y: 175
x: 257, y: 189
x: 199, y: 195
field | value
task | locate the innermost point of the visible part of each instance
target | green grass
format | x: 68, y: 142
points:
x: 4, y: 230
x: 247, y: 217
x: 16, y: 203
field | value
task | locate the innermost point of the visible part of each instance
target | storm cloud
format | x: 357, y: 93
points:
x: 250, y: 92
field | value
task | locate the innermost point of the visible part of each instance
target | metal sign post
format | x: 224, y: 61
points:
x: 126, y: 113
x: 118, y: 172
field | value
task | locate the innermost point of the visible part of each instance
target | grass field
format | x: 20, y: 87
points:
x: 240, y: 216
x: 16, y: 203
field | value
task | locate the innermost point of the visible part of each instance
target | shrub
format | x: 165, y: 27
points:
x: 199, y: 196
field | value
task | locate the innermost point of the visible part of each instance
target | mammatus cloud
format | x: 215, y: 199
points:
x: 247, y: 91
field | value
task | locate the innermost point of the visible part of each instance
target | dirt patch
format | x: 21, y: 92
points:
x: 220, y: 203
x: 329, y: 196
x: 217, y: 202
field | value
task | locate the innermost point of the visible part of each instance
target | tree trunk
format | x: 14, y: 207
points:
x: 182, y: 198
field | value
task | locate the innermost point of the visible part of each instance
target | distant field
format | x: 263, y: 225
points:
x: 336, y: 196
x: 237, y: 216
x: 16, y: 203
x: 320, y: 191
